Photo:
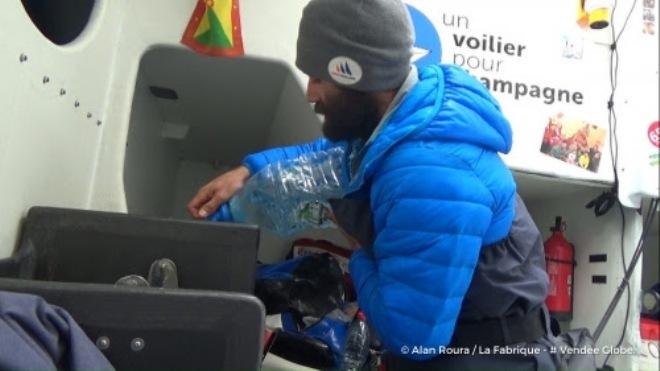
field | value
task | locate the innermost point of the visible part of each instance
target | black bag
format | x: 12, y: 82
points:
x: 310, y: 285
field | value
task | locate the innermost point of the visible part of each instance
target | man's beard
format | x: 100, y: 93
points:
x: 349, y: 115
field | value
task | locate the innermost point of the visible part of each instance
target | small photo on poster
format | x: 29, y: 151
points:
x: 573, y: 141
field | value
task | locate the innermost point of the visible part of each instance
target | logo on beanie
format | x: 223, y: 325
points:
x: 344, y: 70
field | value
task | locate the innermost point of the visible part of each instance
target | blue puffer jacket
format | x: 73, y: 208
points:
x: 438, y: 192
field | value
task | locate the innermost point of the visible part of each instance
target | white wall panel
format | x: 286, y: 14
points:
x: 49, y: 146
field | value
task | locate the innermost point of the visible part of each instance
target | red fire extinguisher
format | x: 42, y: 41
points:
x: 559, y: 263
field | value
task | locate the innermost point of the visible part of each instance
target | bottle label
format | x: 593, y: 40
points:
x: 316, y: 213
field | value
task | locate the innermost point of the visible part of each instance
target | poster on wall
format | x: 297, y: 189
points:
x: 574, y: 142
x: 643, y: 165
x: 547, y: 63
x: 637, y: 110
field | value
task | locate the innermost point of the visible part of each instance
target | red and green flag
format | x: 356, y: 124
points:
x: 215, y: 28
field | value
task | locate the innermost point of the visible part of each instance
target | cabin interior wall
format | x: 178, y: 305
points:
x: 593, y: 235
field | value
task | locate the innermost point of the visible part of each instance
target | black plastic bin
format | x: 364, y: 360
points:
x: 72, y: 258
x: 69, y: 245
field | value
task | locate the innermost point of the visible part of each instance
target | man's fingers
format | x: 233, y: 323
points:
x: 211, y: 206
x: 200, y: 198
x: 219, y: 190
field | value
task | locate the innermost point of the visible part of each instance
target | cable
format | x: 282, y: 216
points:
x: 639, y: 248
x: 648, y: 222
x: 623, y: 263
x: 603, y: 203
x: 606, y: 200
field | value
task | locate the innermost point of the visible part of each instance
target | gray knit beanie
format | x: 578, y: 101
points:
x: 363, y: 45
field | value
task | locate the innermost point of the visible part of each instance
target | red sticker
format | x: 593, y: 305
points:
x: 654, y: 133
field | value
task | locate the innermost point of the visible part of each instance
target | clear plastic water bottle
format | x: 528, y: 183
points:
x: 283, y: 219
x: 289, y: 196
x: 358, y: 340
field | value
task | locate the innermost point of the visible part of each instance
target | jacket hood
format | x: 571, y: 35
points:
x: 447, y: 104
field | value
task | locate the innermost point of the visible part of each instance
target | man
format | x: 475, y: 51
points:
x: 449, y: 257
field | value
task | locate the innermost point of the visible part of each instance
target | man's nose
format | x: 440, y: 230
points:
x: 313, y: 90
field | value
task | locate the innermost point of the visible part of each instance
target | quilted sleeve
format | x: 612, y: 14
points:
x: 430, y: 213
x: 257, y: 161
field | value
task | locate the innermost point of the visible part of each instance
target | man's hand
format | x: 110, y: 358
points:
x: 219, y: 190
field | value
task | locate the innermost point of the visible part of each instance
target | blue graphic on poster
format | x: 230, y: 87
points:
x: 427, y: 49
